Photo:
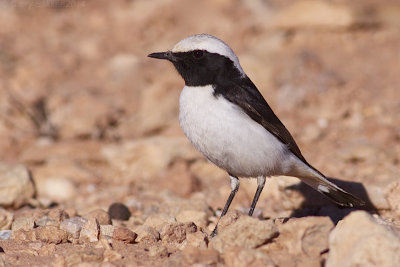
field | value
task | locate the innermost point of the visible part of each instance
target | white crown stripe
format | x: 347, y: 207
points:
x: 210, y: 44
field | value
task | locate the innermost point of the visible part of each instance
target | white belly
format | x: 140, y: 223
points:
x: 228, y: 137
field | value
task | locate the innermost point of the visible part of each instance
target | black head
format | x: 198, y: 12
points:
x: 203, y: 59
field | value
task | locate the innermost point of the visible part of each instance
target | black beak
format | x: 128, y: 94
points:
x: 164, y: 55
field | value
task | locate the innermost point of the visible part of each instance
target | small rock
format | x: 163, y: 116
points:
x: 100, y: 215
x: 58, y: 189
x: 58, y: 215
x: 124, y: 234
x: 51, y: 234
x: 197, y: 240
x: 6, y: 219
x: 360, y: 240
x: 200, y: 218
x: 158, y: 220
x: 236, y: 256
x: 73, y: 226
x: 146, y: 234
x: 246, y: 232
x: 90, y: 231
x: 5, y: 234
x: 308, y: 235
x: 24, y: 223
x: 202, y: 257
x: 119, y: 211
x: 229, y: 218
x: 158, y: 251
x: 16, y: 185
x: 107, y: 230
x: 175, y: 233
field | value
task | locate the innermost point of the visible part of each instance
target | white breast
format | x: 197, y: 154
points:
x: 228, y: 137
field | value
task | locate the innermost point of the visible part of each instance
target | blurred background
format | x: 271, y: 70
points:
x: 96, y: 121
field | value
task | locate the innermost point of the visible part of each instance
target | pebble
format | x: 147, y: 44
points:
x: 107, y: 230
x: 119, y: 211
x: 90, y: 231
x: 175, y: 233
x: 73, y: 226
x: 23, y: 223
x: 51, y: 234
x: 124, y: 234
x: 6, y: 219
x: 17, y: 187
x: 146, y: 234
x: 5, y: 234
x: 100, y: 215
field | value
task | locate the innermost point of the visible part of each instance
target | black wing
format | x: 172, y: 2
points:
x: 246, y: 95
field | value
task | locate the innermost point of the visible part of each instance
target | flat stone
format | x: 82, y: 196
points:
x: 246, y: 232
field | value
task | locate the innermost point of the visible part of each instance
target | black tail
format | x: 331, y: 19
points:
x: 343, y: 198
x: 318, y: 181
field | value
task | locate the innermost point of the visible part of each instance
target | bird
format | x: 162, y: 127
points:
x: 227, y: 119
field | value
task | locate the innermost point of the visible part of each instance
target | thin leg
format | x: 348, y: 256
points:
x: 234, y: 188
x: 260, y: 187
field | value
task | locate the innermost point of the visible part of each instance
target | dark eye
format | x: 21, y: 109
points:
x: 198, y: 54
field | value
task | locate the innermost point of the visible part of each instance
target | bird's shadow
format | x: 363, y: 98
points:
x: 316, y: 204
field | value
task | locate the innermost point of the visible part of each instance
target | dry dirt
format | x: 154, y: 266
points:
x: 96, y: 122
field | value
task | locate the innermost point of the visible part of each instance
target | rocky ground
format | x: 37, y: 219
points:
x: 95, y: 171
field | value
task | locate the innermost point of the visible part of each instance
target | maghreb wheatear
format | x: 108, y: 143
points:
x: 227, y: 119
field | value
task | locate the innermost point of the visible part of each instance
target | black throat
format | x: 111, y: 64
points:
x: 199, y: 68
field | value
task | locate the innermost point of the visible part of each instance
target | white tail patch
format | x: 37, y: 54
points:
x: 323, y: 188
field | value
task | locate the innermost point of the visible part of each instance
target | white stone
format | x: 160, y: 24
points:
x: 361, y: 240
